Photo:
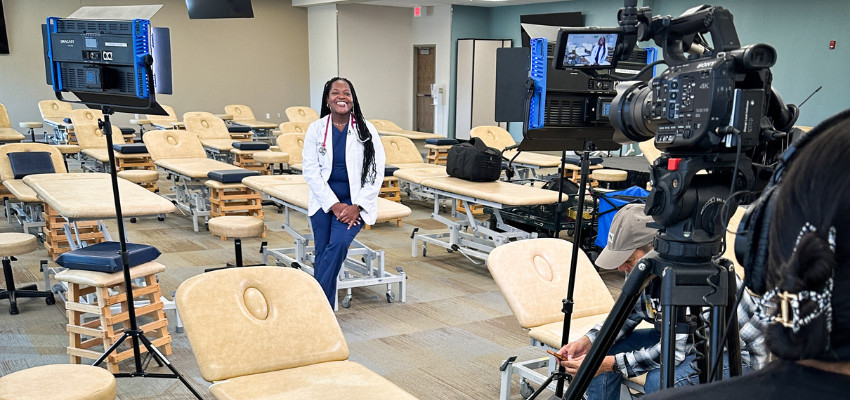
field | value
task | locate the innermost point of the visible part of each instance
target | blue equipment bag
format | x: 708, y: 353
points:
x: 607, y: 203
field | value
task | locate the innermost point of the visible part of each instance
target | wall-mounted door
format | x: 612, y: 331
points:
x: 423, y: 104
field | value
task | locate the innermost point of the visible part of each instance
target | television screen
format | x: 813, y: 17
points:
x: 208, y: 9
x: 4, y: 40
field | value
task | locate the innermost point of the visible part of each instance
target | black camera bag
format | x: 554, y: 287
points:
x: 474, y: 161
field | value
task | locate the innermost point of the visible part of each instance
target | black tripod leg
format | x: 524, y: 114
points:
x: 161, y: 359
x: 718, y: 326
x: 543, y: 386
x: 110, y: 349
x: 733, y: 338
x: 668, y: 329
x: 638, y: 279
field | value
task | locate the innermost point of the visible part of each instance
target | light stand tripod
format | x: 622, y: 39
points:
x: 135, y: 334
x: 561, y: 374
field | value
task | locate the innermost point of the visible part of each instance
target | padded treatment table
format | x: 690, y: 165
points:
x: 301, y: 114
x: 25, y: 206
x: 165, y: 121
x: 292, y: 144
x: 483, y: 237
x: 92, y: 142
x: 362, y: 267
x: 181, y: 154
x: 9, y: 135
x: 189, y: 176
x: 88, y: 197
x: 54, y: 112
x: 243, y: 116
x: 533, y: 276
x: 389, y: 128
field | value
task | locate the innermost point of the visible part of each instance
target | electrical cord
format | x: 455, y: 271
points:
x: 702, y: 332
x: 739, y: 295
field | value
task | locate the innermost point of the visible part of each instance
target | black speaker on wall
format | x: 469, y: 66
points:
x: 4, y: 39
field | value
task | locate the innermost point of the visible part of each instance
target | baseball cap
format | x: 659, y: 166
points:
x: 628, y: 232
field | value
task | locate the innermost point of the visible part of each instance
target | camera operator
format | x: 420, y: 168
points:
x: 638, y: 351
x: 808, y: 265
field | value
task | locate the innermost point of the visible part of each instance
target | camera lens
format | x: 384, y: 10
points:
x: 632, y: 109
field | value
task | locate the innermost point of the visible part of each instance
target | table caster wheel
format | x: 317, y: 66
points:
x: 390, y: 296
x: 525, y: 389
x: 160, y: 219
x: 346, y: 301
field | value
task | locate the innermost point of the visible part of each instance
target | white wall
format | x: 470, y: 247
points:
x: 324, y: 49
x: 436, y: 29
x: 376, y: 55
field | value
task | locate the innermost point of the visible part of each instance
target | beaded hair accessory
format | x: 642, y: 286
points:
x: 784, y: 307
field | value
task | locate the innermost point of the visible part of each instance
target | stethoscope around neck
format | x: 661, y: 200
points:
x: 351, y: 120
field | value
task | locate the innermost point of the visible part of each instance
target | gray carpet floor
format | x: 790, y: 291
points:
x: 446, y: 342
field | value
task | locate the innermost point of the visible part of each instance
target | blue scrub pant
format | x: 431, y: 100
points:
x: 332, y: 239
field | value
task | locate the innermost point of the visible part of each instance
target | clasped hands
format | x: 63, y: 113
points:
x: 574, y: 352
x: 347, y: 214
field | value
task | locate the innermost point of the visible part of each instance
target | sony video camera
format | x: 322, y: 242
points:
x: 704, y: 103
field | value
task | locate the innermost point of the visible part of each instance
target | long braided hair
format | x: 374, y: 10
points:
x: 369, y: 168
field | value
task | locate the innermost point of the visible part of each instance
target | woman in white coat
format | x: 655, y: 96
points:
x: 599, y: 53
x: 343, y: 163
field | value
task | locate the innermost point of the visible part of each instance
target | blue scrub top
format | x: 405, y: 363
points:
x: 339, y: 173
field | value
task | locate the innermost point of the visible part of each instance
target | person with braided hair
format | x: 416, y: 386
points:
x: 343, y: 164
x: 807, y: 304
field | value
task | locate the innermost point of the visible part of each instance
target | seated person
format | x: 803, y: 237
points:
x: 808, y: 256
x: 639, y: 351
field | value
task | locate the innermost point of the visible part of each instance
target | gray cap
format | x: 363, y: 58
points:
x: 628, y: 233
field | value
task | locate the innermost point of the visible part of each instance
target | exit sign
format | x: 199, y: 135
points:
x: 417, y: 11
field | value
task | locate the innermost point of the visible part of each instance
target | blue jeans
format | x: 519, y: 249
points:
x: 685, y: 375
x: 607, y: 385
x: 332, y: 239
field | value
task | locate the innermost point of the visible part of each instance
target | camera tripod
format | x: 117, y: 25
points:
x: 687, y: 209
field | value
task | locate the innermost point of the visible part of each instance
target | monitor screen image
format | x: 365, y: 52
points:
x: 590, y: 49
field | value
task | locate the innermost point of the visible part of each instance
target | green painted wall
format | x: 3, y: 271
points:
x: 800, y: 32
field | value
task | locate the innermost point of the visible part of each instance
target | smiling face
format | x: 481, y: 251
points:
x: 339, y: 98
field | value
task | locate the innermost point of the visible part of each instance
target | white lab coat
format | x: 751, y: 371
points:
x: 317, y: 169
x: 602, y: 51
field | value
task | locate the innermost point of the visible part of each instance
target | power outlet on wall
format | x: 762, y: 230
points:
x: 268, y: 115
x: 278, y: 115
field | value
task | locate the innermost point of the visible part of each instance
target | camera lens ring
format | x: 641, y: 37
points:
x: 630, y: 105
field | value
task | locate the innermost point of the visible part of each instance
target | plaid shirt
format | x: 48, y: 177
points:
x: 640, y: 361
